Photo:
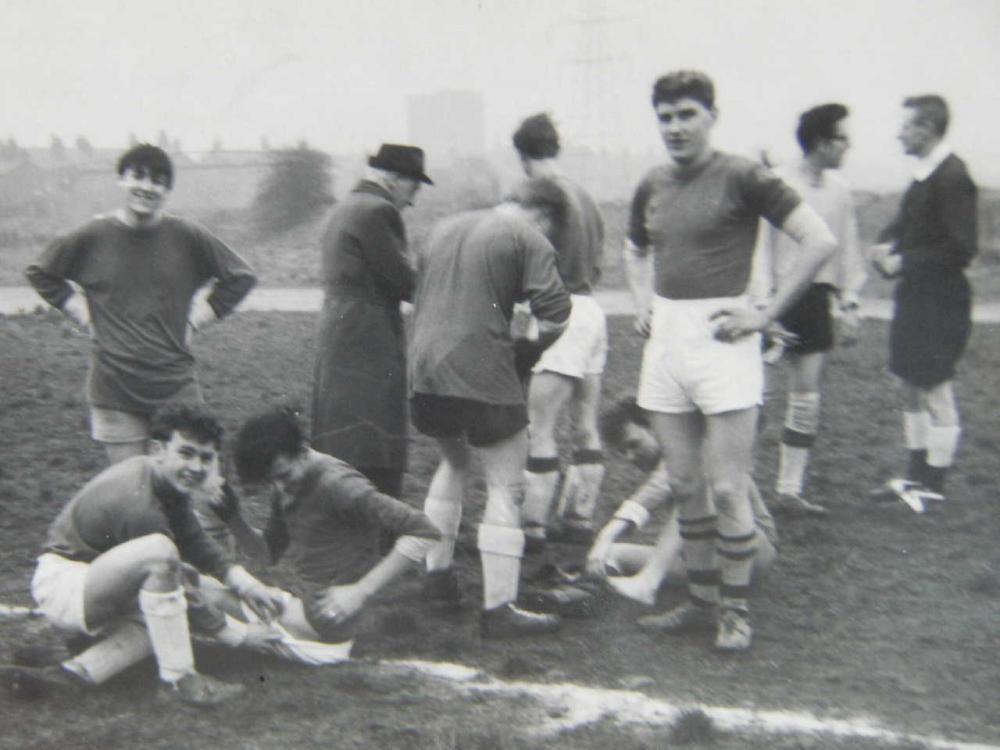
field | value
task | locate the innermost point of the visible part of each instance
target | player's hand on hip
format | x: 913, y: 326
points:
x: 644, y: 323
x: 340, y: 603
x: 735, y: 323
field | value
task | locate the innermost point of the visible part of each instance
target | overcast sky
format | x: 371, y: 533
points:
x: 337, y: 72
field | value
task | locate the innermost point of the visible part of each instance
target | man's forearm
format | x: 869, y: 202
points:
x: 638, y: 275
x: 388, y: 568
x: 816, y: 245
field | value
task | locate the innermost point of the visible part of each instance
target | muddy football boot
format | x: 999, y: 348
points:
x: 508, y: 621
x: 200, y: 690
x: 735, y: 632
x: 790, y: 505
x: 685, y: 618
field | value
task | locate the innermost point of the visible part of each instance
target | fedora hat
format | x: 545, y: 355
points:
x: 404, y: 160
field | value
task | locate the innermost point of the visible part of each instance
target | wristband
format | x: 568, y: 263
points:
x: 632, y: 512
x: 413, y: 548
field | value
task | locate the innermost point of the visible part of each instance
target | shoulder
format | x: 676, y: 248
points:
x: 338, y: 481
x: 954, y: 171
x: 655, y: 176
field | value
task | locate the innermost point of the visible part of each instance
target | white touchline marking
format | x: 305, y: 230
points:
x: 576, y: 705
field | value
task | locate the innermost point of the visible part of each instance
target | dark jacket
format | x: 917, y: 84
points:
x: 359, y: 392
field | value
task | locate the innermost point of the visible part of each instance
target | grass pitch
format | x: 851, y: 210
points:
x: 874, y: 611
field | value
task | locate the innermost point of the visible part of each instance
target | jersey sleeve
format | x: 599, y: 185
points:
x: 958, y: 215
x: 56, y: 267
x: 636, y: 233
x: 234, y: 278
x: 540, y: 280
x: 767, y: 195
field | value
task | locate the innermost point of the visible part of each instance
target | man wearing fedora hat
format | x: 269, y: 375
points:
x: 359, y: 391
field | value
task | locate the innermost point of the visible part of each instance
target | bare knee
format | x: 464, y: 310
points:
x: 728, y: 494
x: 687, y: 490
x: 160, y: 556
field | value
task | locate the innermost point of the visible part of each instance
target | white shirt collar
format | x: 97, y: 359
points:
x: 927, y: 164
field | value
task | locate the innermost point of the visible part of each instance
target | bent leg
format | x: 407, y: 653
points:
x: 578, y: 501
x: 443, y: 505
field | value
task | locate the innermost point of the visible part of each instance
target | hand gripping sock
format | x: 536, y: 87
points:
x: 801, y: 425
x: 541, y: 478
x: 500, y: 548
x: 127, y: 644
x: 915, y: 432
x: 166, y: 622
x: 698, y: 537
x: 578, y: 500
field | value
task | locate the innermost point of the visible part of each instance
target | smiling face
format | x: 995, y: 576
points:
x: 184, y: 462
x: 685, y: 127
x: 145, y: 192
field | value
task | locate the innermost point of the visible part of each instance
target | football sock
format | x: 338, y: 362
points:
x: 698, y: 544
x: 500, y: 548
x: 167, y: 625
x: 736, y: 554
x: 581, y: 488
x: 915, y: 432
x: 127, y: 644
x: 942, y: 443
x: 541, y: 478
x: 443, y: 507
x: 801, y: 425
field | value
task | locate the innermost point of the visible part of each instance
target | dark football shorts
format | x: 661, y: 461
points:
x: 481, y: 423
x: 930, y: 326
x: 811, y: 320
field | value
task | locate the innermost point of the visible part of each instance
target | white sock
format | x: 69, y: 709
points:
x: 447, y: 516
x: 801, y: 426
x: 540, y: 490
x: 578, y: 500
x: 127, y: 644
x: 915, y: 429
x: 791, y: 469
x: 500, y: 548
x: 942, y: 442
x: 166, y: 622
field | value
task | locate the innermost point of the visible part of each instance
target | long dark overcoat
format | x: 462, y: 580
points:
x: 359, y: 392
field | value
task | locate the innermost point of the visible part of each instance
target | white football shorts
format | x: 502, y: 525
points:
x: 582, y: 349
x: 686, y: 369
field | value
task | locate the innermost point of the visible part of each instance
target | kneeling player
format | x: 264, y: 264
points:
x: 114, y: 568
x: 638, y: 570
x: 331, y: 522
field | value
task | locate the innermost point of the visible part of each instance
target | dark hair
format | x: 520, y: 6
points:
x: 191, y: 419
x: 817, y: 124
x: 262, y: 439
x: 931, y: 110
x: 623, y: 412
x: 546, y: 195
x: 536, y: 138
x: 684, y: 83
x: 151, y: 158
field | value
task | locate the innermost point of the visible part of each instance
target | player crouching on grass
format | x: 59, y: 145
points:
x: 115, y: 567
x: 331, y: 522
x: 638, y: 570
